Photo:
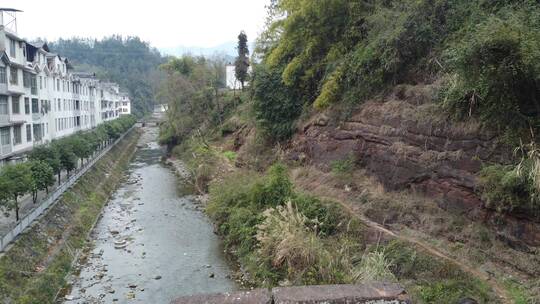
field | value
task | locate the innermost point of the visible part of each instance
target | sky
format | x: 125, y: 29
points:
x: 163, y: 23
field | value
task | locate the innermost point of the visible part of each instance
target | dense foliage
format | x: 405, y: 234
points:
x: 63, y: 154
x: 192, y: 90
x: 130, y: 62
x: 323, y: 53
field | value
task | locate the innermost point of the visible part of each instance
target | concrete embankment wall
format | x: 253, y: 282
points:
x: 34, y: 267
x: 52, y: 198
x: 376, y: 293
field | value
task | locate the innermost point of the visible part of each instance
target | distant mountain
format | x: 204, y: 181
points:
x: 227, y: 49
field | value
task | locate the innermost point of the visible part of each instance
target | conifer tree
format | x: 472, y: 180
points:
x: 242, y: 61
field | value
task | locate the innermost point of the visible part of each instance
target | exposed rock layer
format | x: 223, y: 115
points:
x: 406, y: 144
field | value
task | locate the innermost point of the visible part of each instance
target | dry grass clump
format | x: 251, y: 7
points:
x: 284, y: 235
x: 287, y: 238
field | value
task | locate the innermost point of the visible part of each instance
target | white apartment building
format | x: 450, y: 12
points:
x: 231, y: 81
x: 125, y: 106
x: 42, y: 99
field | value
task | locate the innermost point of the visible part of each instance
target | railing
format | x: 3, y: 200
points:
x: 4, y: 119
x: 52, y: 198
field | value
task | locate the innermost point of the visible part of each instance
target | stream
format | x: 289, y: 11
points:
x: 151, y: 245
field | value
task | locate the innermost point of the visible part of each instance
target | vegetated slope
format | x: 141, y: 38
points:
x: 429, y: 97
x: 470, y: 69
x: 345, y: 52
x: 130, y: 62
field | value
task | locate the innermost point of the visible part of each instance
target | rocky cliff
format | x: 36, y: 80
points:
x: 406, y: 143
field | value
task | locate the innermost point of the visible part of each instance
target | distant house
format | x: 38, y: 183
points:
x: 125, y: 104
x: 231, y: 81
x: 161, y: 108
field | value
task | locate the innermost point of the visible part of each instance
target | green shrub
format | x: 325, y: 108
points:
x: 343, y: 166
x: 506, y: 189
x: 275, y: 190
x: 275, y: 108
x: 230, y: 155
x: 329, y: 218
x: 240, y: 230
x: 496, y: 71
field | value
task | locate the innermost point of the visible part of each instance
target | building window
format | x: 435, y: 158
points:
x: 35, y: 105
x: 4, y: 109
x: 37, y: 132
x: 4, y: 136
x: 26, y: 105
x: 28, y: 133
x: 58, y: 84
x: 17, y: 135
x: 16, y: 104
x: 34, y: 84
x: 13, y: 76
x: 3, y: 78
x: 26, y: 79
x: 13, y: 48
x: 40, y: 82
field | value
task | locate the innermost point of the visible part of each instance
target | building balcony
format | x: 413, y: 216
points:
x: 36, y: 116
x: 15, y: 89
x: 4, y: 120
x: 5, y: 150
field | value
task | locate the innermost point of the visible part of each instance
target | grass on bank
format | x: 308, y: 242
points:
x: 283, y: 237
x: 33, y: 270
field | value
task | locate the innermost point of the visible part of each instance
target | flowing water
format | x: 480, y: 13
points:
x: 151, y: 245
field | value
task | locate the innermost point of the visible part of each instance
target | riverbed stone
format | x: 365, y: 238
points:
x: 259, y: 296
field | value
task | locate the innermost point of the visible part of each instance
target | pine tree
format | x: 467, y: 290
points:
x: 242, y: 61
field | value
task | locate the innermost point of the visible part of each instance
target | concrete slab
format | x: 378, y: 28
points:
x: 380, y: 293
x: 256, y: 296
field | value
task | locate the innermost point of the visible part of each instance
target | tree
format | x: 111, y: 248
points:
x: 242, y: 61
x: 17, y: 181
x: 80, y: 147
x: 101, y: 134
x: 42, y: 177
x: 275, y: 108
x: 49, y: 155
x: 68, y: 159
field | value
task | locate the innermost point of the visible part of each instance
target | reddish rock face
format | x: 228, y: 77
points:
x: 406, y: 147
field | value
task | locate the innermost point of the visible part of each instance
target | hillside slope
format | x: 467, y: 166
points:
x: 406, y: 144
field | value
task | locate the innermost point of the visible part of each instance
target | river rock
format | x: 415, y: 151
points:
x: 120, y: 244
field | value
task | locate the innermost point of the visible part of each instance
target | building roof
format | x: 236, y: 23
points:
x: 6, y: 9
x: 39, y: 45
x: 84, y: 74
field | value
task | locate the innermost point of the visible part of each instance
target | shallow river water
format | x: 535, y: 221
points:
x: 151, y: 245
